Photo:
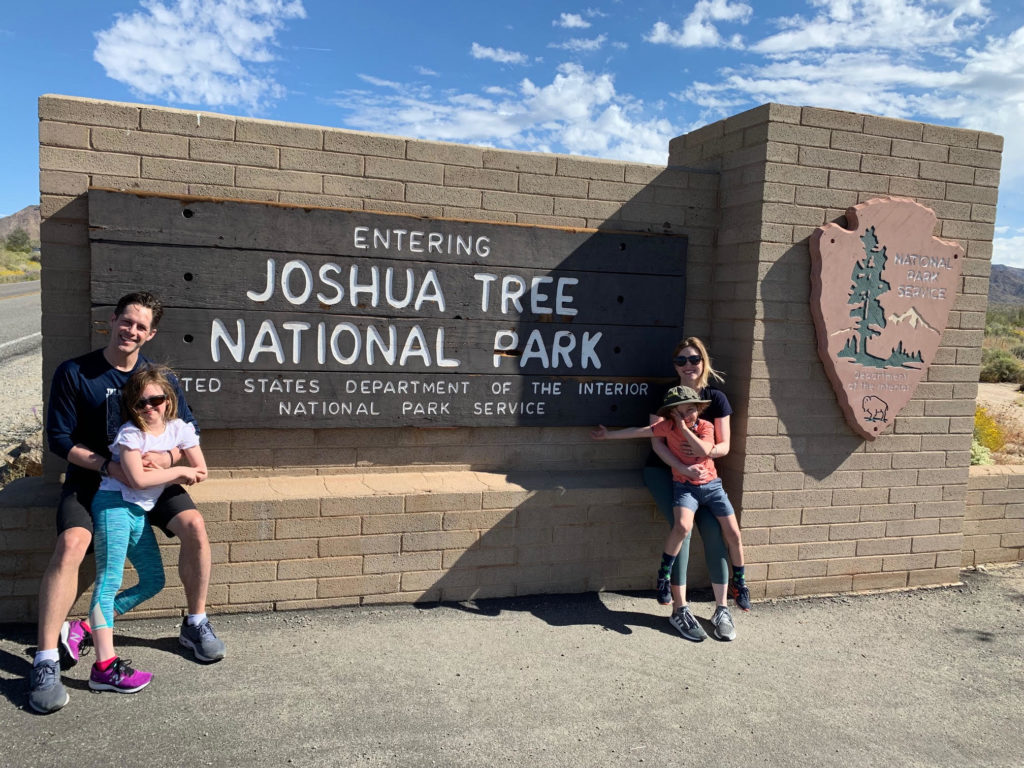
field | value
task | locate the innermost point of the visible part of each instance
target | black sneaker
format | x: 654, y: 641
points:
x: 683, y: 620
x: 47, y: 692
x: 664, y: 591
x: 738, y: 591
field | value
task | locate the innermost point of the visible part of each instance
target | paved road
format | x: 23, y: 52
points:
x: 930, y: 678
x: 20, y: 316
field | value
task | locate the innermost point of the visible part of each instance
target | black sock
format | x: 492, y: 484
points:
x: 666, y: 565
x: 738, y: 573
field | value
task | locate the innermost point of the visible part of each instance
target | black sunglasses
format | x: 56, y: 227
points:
x: 155, y: 401
x: 684, y: 359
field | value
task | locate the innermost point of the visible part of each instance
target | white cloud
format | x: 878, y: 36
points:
x: 578, y: 44
x: 699, y: 30
x: 426, y: 72
x: 499, y: 55
x: 210, y: 52
x: 570, y: 21
x: 578, y: 112
x: 1008, y: 251
x: 896, y: 24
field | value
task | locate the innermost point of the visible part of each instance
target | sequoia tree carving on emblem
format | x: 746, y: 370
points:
x: 880, y: 295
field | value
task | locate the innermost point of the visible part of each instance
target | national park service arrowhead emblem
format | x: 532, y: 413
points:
x: 880, y: 295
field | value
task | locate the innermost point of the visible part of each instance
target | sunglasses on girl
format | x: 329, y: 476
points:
x: 684, y: 359
x: 154, y: 402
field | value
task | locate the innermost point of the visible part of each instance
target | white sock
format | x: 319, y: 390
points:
x: 195, y: 619
x: 42, y: 656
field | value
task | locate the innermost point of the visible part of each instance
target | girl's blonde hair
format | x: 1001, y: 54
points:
x: 132, y: 393
x: 706, y: 371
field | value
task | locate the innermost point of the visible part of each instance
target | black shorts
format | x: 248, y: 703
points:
x: 74, y: 510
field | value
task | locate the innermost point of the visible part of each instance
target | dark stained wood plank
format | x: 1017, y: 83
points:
x: 139, y: 218
x: 225, y: 279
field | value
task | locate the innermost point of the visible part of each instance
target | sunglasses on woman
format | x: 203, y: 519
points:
x: 684, y: 359
x: 150, y: 402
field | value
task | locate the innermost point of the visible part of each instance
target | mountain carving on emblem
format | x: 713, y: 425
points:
x: 912, y: 318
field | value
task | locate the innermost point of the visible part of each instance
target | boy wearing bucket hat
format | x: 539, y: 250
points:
x: 690, y: 440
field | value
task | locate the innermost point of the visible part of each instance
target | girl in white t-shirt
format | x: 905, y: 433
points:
x: 121, y: 530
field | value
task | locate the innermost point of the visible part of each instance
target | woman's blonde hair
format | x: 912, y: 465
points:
x: 706, y: 371
x: 132, y: 393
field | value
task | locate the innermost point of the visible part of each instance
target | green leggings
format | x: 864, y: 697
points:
x: 659, y: 483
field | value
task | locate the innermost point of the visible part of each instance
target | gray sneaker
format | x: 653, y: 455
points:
x: 202, y: 640
x: 47, y: 691
x: 683, y: 620
x: 724, y: 628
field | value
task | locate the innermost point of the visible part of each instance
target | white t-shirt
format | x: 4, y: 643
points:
x: 178, y: 434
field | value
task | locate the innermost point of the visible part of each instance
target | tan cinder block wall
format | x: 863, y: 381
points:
x: 822, y: 510
x: 315, y: 518
x: 994, y: 519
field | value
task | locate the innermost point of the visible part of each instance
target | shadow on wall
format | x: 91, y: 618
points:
x: 821, y: 440
x: 591, y: 525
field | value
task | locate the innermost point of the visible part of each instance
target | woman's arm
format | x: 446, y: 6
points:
x: 723, y: 433
x: 629, y: 433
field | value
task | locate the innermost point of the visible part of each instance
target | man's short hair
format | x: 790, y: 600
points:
x: 143, y: 299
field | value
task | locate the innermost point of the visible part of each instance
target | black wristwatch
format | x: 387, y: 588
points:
x: 103, y: 468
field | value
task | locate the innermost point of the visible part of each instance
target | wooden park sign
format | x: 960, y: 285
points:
x: 881, y: 291
x: 282, y: 316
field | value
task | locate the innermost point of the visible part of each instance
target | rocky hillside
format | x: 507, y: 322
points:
x: 1006, y: 285
x: 27, y: 218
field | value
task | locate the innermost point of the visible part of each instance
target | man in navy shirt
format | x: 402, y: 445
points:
x: 83, y: 416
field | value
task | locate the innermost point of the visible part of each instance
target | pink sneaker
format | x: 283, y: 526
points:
x: 119, y: 677
x: 74, y: 641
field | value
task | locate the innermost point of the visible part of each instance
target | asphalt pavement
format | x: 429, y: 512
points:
x: 925, y: 678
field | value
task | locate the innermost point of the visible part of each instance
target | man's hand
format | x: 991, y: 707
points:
x: 601, y: 433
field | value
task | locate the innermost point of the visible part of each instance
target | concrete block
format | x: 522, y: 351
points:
x: 187, y: 171
x: 291, y: 549
x: 953, y: 137
x: 297, y: 589
x: 584, y: 168
x: 68, y: 109
x: 448, y: 154
x: 420, y: 561
x: 933, y: 577
x: 873, y: 581
x: 67, y: 135
x: 316, y: 527
x: 136, y: 142
x: 233, y: 152
x: 377, y: 524
x: 292, y: 181
x: 199, y: 124
x: 458, y: 196
x: 406, y: 170
x: 958, y: 174
x: 320, y: 567
x: 344, y: 546
x: 86, y: 161
x: 359, y: 585
x: 892, y: 166
x: 513, y: 201
x: 521, y: 162
x: 557, y: 186
x: 279, y: 134
x: 368, y: 189
x: 861, y: 182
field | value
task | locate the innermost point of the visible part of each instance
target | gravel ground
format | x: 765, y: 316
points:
x: 21, y: 398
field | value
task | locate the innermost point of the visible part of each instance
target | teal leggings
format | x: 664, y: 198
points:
x: 121, y: 531
x: 659, y: 483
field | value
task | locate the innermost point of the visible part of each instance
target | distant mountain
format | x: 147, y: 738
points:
x: 1006, y: 285
x: 27, y: 219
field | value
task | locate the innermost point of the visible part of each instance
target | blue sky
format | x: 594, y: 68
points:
x: 605, y: 78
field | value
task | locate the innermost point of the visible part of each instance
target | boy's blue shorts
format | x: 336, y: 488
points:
x: 710, y: 495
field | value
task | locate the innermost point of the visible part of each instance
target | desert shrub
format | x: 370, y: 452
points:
x: 987, y: 432
x: 980, y: 455
x: 999, y: 365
